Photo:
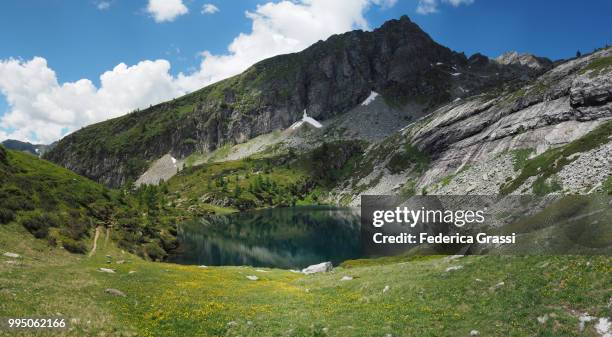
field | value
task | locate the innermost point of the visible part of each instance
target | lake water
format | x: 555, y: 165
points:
x: 287, y: 238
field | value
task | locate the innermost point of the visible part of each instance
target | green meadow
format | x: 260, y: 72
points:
x: 433, y: 296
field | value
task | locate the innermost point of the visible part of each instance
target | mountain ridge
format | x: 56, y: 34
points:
x: 398, y: 60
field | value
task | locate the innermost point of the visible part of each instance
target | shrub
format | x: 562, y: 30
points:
x: 73, y: 246
x: 6, y: 215
x: 410, y: 156
x: 154, y: 251
x: 39, y: 223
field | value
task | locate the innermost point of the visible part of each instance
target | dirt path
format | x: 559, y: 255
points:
x: 95, y: 241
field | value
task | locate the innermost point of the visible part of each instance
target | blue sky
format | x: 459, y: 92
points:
x: 82, y: 39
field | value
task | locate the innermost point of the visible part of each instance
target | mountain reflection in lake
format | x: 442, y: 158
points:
x: 292, y: 237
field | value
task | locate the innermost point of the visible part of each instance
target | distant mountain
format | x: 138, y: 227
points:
x: 398, y: 60
x: 35, y: 149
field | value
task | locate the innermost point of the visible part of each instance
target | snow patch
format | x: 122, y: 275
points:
x: 306, y: 119
x: 456, y: 74
x: 370, y: 98
x: 296, y: 125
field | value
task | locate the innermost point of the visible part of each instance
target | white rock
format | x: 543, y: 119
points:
x: 583, y: 320
x: 386, y: 289
x: 252, y: 277
x: 202, y: 266
x: 543, y: 319
x: 11, y: 255
x: 603, y: 327
x: 474, y: 333
x: 346, y: 278
x: 451, y: 268
x: 107, y: 270
x: 318, y: 268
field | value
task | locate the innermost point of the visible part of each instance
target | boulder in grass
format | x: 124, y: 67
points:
x: 11, y: 255
x: 107, y: 270
x: 323, y: 267
x: 252, y: 277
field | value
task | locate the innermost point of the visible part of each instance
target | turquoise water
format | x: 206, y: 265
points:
x: 292, y: 237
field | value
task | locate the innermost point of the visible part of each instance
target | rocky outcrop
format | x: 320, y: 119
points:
x: 472, y: 143
x: 322, y: 267
x: 397, y: 60
x: 524, y: 59
x: 162, y: 169
x: 557, y: 108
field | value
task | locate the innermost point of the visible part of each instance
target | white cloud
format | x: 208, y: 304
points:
x: 281, y: 28
x: 431, y: 6
x: 427, y: 6
x: 209, y: 9
x: 166, y: 10
x: 456, y: 3
x: 103, y: 5
x: 42, y: 109
x: 385, y: 3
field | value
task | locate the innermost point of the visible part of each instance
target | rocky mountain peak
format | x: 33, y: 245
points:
x: 398, y: 60
x: 524, y: 59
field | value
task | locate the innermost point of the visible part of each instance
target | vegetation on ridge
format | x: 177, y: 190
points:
x: 63, y: 208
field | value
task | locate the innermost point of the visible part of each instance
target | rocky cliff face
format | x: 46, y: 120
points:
x: 397, y: 60
x: 552, y: 134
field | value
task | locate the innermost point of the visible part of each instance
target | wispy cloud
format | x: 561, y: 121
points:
x: 103, y: 5
x: 209, y: 9
x: 431, y: 6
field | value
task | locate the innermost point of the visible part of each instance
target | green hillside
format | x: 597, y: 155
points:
x: 63, y: 208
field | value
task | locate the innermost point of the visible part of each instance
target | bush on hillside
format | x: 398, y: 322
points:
x: 39, y: 223
x: 73, y: 246
x: 6, y: 215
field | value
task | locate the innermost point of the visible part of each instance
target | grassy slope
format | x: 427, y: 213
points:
x: 263, y: 181
x: 423, y: 299
x: 63, y: 208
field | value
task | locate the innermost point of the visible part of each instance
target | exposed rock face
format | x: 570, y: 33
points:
x: 162, y: 169
x: 398, y: 60
x: 557, y: 108
x: 470, y: 142
x: 524, y: 59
